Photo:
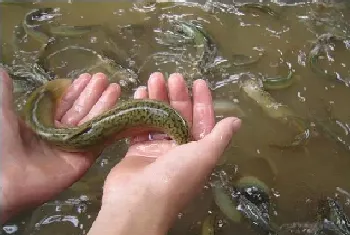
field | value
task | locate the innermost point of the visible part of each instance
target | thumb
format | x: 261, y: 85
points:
x: 9, y: 123
x: 6, y: 90
x: 213, y: 145
x: 197, y: 159
x: 182, y: 172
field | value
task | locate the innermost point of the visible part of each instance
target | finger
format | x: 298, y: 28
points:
x: 203, y: 110
x: 158, y: 91
x: 87, y: 99
x: 220, y: 136
x: 72, y: 95
x: 157, y: 87
x: 6, y: 90
x: 107, y: 100
x: 179, y: 96
x: 140, y: 93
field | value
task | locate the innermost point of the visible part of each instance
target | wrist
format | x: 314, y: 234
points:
x: 134, y: 209
x: 6, y: 209
x: 112, y: 221
x: 13, y: 199
x: 4, y: 213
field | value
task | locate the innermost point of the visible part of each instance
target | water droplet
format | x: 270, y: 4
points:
x: 10, y: 228
x: 93, y: 39
x: 104, y: 162
x: 301, y: 98
x: 58, y: 208
x: 220, y: 224
x: 84, y: 198
x: 275, y: 193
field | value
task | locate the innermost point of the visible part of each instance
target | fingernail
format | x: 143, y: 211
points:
x: 83, y: 75
x: 99, y: 76
x: 155, y: 75
x: 114, y: 85
x: 142, y: 88
x: 176, y: 75
x: 201, y: 81
x: 139, y: 92
x: 235, y: 123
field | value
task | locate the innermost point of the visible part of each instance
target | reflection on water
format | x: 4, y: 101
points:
x: 283, y: 69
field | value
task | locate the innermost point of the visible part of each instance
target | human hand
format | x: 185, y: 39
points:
x: 32, y: 171
x: 144, y: 193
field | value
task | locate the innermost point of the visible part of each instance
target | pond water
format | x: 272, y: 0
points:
x: 254, y: 44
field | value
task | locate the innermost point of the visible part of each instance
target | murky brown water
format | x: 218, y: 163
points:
x: 298, y: 177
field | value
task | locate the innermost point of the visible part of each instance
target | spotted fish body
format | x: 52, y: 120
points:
x: 126, y: 116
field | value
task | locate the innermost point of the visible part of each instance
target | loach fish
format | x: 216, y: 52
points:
x: 331, y: 219
x: 323, y: 46
x: 208, y: 225
x: 278, y: 82
x: 127, y: 116
x: 277, y: 111
x: 247, y: 201
x: 72, y: 30
x: 114, y: 70
x: 240, y: 60
x: 32, y: 23
x: 259, y: 7
x: 206, y: 49
x: 38, y: 24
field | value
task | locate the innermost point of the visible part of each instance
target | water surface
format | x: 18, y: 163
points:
x: 298, y: 177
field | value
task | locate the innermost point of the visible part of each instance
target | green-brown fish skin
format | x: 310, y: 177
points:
x: 126, y: 116
x: 261, y: 7
x: 33, y: 26
x: 278, y: 82
x: 72, y: 30
x: 206, y: 48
